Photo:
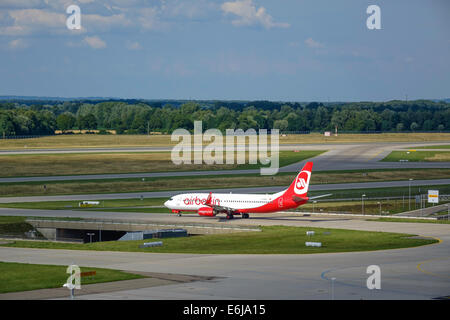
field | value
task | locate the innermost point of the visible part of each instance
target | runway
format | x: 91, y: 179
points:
x: 413, y: 273
x: 358, y: 156
x: 169, y: 193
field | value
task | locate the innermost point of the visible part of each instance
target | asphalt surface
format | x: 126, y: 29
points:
x: 167, y: 194
x: 338, y: 157
x: 413, y: 273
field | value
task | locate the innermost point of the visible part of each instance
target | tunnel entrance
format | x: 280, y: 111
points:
x: 87, y: 236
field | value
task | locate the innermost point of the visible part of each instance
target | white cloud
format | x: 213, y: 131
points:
x: 313, y: 44
x: 17, y: 44
x: 102, y: 23
x: 248, y: 15
x: 134, y: 46
x: 19, y: 3
x: 30, y: 17
x: 28, y: 21
x: 34, y: 21
x: 148, y: 18
x: 191, y: 9
x: 95, y: 42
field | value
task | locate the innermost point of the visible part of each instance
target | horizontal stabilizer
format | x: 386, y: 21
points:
x: 298, y: 199
x: 321, y: 196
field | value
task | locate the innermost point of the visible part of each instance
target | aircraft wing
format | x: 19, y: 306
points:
x: 216, y: 207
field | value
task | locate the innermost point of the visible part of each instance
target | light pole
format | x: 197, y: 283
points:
x: 332, y: 288
x: 90, y: 236
x: 380, y: 206
x: 362, y: 200
x: 409, y: 197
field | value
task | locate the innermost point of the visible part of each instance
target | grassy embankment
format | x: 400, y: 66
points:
x: 411, y: 220
x: 16, y: 277
x: 445, y: 146
x: 111, y: 141
x: 271, y: 240
x: 14, y: 226
x: 211, y: 181
x: 418, y: 156
x: 25, y: 165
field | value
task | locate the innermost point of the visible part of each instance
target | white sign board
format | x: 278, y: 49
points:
x: 327, y: 133
x: 433, y: 196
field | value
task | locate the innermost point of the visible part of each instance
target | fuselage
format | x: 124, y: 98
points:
x: 210, y: 204
x: 239, y: 202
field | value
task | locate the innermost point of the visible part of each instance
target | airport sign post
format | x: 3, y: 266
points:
x: 433, y: 196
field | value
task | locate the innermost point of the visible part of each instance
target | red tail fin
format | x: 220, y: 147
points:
x: 299, y: 187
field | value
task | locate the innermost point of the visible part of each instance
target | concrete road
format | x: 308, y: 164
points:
x: 414, y: 273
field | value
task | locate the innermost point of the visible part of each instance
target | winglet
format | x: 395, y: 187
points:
x: 208, y: 200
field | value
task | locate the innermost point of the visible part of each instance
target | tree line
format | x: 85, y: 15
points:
x: 140, y: 117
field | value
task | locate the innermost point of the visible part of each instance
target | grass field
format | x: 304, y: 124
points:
x: 16, y: 277
x: 271, y: 240
x: 416, y: 156
x: 446, y: 146
x: 101, y: 163
x: 211, y: 181
x: 108, y: 141
x: 411, y: 220
x: 382, y: 192
x: 372, y: 207
x: 67, y: 205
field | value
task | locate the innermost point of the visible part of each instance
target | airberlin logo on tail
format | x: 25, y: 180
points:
x: 301, y: 185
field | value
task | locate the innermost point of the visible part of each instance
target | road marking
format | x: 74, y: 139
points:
x: 371, y: 158
x: 426, y: 261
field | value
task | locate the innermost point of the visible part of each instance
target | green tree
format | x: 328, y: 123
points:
x: 88, y: 122
x: 7, y: 127
x: 280, y: 124
x: 65, y: 121
x: 414, y: 126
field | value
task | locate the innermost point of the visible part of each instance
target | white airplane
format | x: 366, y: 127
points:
x: 242, y: 204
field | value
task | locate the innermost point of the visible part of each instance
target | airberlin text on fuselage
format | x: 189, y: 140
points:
x: 200, y: 201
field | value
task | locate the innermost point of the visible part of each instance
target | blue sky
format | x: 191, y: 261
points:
x: 288, y: 50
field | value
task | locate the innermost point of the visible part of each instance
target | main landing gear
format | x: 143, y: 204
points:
x: 245, y: 216
x: 177, y: 212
